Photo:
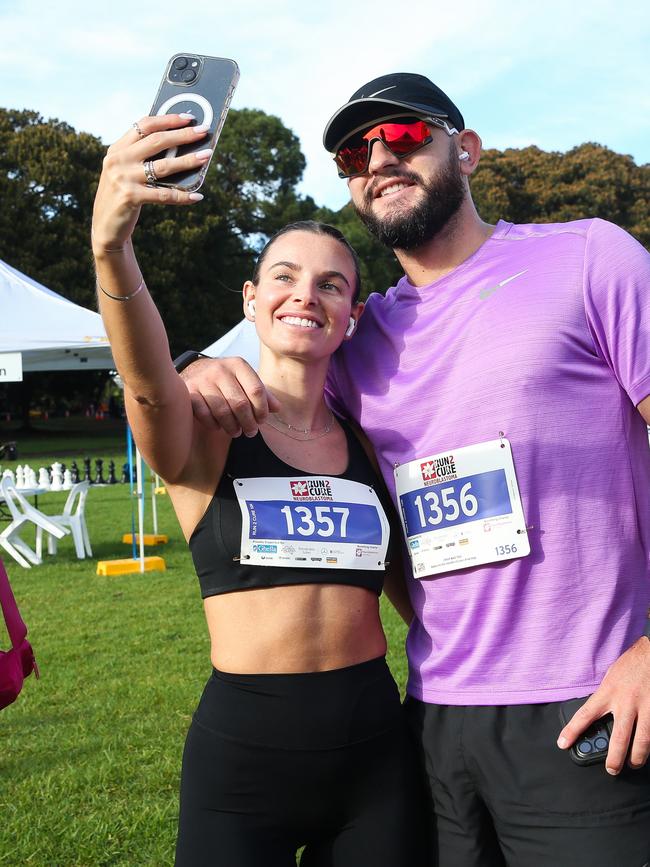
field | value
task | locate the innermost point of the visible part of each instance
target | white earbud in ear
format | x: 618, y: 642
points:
x: 251, y: 309
x: 463, y: 156
x: 349, y: 331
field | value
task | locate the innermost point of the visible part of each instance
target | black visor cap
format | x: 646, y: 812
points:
x: 387, y: 95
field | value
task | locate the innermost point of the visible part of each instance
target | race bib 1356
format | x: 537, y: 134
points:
x: 461, y: 508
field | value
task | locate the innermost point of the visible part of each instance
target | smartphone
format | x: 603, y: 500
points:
x: 592, y: 745
x: 203, y: 87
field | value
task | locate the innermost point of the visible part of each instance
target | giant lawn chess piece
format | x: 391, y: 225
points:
x: 57, y: 477
x: 43, y: 479
x: 74, y: 473
x: 67, y: 480
x: 87, y: 476
x: 125, y: 474
x: 99, y: 472
x: 111, y: 473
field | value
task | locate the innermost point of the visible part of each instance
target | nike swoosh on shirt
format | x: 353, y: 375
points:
x: 485, y: 293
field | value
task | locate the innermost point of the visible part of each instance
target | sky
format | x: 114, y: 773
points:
x: 554, y: 74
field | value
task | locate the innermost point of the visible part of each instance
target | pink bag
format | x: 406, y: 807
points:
x: 15, y: 664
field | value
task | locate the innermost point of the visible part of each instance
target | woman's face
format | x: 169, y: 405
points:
x: 303, y: 300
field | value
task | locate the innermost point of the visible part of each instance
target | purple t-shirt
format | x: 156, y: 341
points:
x: 544, y: 334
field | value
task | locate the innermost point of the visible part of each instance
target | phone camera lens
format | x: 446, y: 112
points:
x: 188, y: 75
x: 180, y: 63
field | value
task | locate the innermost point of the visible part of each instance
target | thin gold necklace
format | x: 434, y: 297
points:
x: 318, y: 432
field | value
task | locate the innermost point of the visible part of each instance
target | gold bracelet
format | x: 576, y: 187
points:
x: 122, y: 297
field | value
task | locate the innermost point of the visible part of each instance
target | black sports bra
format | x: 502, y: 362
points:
x: 215, y: 543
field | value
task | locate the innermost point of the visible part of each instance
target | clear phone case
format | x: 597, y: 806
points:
x: 202, y: 86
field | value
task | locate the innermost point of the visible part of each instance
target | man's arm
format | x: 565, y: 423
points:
x: 617, y: 304
x: 227, y: 394
x: 625, y: 693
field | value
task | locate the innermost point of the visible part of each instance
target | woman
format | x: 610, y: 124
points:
x: 298, y: 737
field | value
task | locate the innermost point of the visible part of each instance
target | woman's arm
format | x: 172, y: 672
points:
x: 157, y: 402
x: 159, y: 413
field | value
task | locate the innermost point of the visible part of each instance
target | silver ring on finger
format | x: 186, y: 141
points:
x: 150, y: 173
x: 136, y: 127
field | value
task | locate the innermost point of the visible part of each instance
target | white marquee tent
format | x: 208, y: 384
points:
x: 53, y: 333
x: 49, y: 331
x: 241, y: 340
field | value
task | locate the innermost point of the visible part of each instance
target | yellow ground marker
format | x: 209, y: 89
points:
x: 161, y: 490
x: 149, y: 538
x: 124, y: 567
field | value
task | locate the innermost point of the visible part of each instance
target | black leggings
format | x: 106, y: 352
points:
x: 274, y: 762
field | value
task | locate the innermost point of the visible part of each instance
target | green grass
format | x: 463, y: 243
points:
x: 90, y: 754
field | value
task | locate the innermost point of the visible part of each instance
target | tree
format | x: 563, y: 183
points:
x: 48, y: 177
x: 195, y: 259
x: 531, y: 185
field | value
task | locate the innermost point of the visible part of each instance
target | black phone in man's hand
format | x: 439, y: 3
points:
x: 592, y: 745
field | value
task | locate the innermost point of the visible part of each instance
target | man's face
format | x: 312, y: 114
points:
x: 406, y: 202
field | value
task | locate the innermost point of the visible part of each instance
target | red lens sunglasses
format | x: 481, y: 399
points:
x: 402, y: 137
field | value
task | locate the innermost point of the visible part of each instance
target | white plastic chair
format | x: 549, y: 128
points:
x: 22, y: 512
x: 73, y: 516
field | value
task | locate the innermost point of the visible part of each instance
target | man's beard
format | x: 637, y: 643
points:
x: 413, y: 228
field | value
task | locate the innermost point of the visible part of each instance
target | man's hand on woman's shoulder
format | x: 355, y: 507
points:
x: 227, y: 393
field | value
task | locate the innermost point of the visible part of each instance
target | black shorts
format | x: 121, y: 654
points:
x: 502, y: 793
x: 274, y: 762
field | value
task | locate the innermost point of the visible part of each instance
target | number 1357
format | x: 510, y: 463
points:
x: 317, y: 522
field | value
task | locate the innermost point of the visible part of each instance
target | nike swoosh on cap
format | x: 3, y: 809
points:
x: 383, y: 90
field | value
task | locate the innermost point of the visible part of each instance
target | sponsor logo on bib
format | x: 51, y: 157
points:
x: 438, y: 470
x: 265, y: 549
x: 311, y: 489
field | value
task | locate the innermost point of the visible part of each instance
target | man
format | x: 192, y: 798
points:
x: 504, y: 384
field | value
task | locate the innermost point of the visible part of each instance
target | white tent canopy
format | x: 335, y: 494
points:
x: 51, y: 332
x: 241, y: 340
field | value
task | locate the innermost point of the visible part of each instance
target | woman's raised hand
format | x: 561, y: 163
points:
x: 124, y: 186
